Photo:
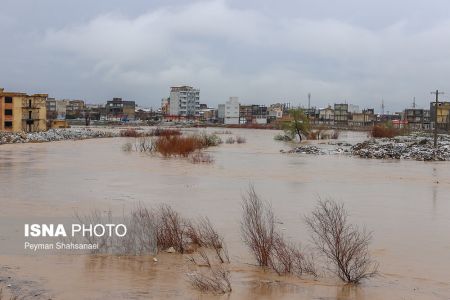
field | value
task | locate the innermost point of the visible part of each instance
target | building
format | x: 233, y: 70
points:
x: 364, y: 118
x: 165, y: 106
x: 221, y: 113
x: 417, y: 118
x: 120, y: 110
x: 443, y: 115
x: 253, y: 114
x: 326, y: 115
x: 74, y: 108
x: 232, y: 111
x: 50, y: 105
x: 22, y: 112
x: 184, y: 101
x: 341, y: 114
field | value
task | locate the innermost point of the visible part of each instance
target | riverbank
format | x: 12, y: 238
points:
x: 54, y: 135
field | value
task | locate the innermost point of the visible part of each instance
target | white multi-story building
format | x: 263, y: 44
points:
x: 232, y: 111
x: 184, y: 101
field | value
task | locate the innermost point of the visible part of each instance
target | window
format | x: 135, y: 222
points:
x: 8, y: 124
x: 8, y: 112
x: 8, y: 99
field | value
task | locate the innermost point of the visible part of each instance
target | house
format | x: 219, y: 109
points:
x: 22, y: 112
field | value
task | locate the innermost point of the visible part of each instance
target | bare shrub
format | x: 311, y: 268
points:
x: 288, y: 258
x: 343, y: 244
x: 258, y: 226
x: 106, y: 243
x: 214, y: 279
x: 170, y: 229
x: 230, y: 140
x: 141, y: 232
x: 127, y: 147
x: 335, y: 134
x: 140, y: 238
x: 199, y: 157
x: 210, y: 238
x: 130, y: 132
x: 240, y: 140
x: 143, y: 144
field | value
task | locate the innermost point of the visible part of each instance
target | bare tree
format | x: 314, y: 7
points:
x: 344, y: 244
x: 258, y: 226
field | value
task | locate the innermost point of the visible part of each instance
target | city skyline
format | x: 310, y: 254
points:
x: 257, y: 50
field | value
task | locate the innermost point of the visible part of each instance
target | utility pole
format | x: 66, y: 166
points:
x: 414, y: 102
x: 309, y: 101
x: 437, y: 93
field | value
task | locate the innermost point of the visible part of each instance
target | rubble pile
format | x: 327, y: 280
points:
x: 415, y: 147
x: 52, y: 135
x: 307, y: 149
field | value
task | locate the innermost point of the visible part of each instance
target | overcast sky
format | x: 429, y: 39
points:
x: 261, y: 51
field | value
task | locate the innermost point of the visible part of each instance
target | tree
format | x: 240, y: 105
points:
x: 343, y: 244
x: 298, y: 125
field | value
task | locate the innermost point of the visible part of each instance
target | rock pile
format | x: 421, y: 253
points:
x: 52, y: 135
x: 413, y: 147
x: 307, y: 149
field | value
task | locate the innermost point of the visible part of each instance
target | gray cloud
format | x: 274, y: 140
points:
x: 261, y: 53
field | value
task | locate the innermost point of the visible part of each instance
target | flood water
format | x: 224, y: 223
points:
x: 406, y: 204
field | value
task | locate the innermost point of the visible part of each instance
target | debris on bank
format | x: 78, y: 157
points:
x: 52, y: 135
x: 307, y: 149
x: 414, y: 147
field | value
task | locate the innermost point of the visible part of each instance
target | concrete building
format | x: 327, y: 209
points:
x: 443, y: 115
x: 184, y: 101
x: 326, y: 115
x: 22, y: 112
x: 232, y: 111
x: 74, y: 108
x: 417, y: 118
x: 165, y: 106
x: 365, y: 118
x: 221, y: 113
x: 120, y: 110
x: 253, y: 114
x: 341, y: 113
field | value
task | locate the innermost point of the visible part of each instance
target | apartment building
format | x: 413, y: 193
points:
x: 443, y: 114
x: 22, y: 112
x: 231, y: 115
x: 184, y: 101
x: 120, y: 110
x: 341, y: 114
x: 417, y: 118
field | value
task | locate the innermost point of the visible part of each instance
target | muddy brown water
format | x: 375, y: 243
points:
x: 406, y: 204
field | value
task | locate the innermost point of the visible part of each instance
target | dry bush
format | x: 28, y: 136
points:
x: 258, y: 227
x: 143, y: 144
x: 140, y: 238
x: 343, y: 244
x: 335, y: 134
x: 141, y: 232
x: 210, y: 238
x: 383, y: 131
x: 177, y: 145
x: 230, y: 140
x: 127, y: 147
x: 170, y: 229
x: 213, y: 278
x: 201, y: 157
x: 240, y: 140
x: 106, y: 243
x: 10, y: 298
x: 164, y: 132
x: 287, y: 258
x: 130, y: 132
x: 312, y: 135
